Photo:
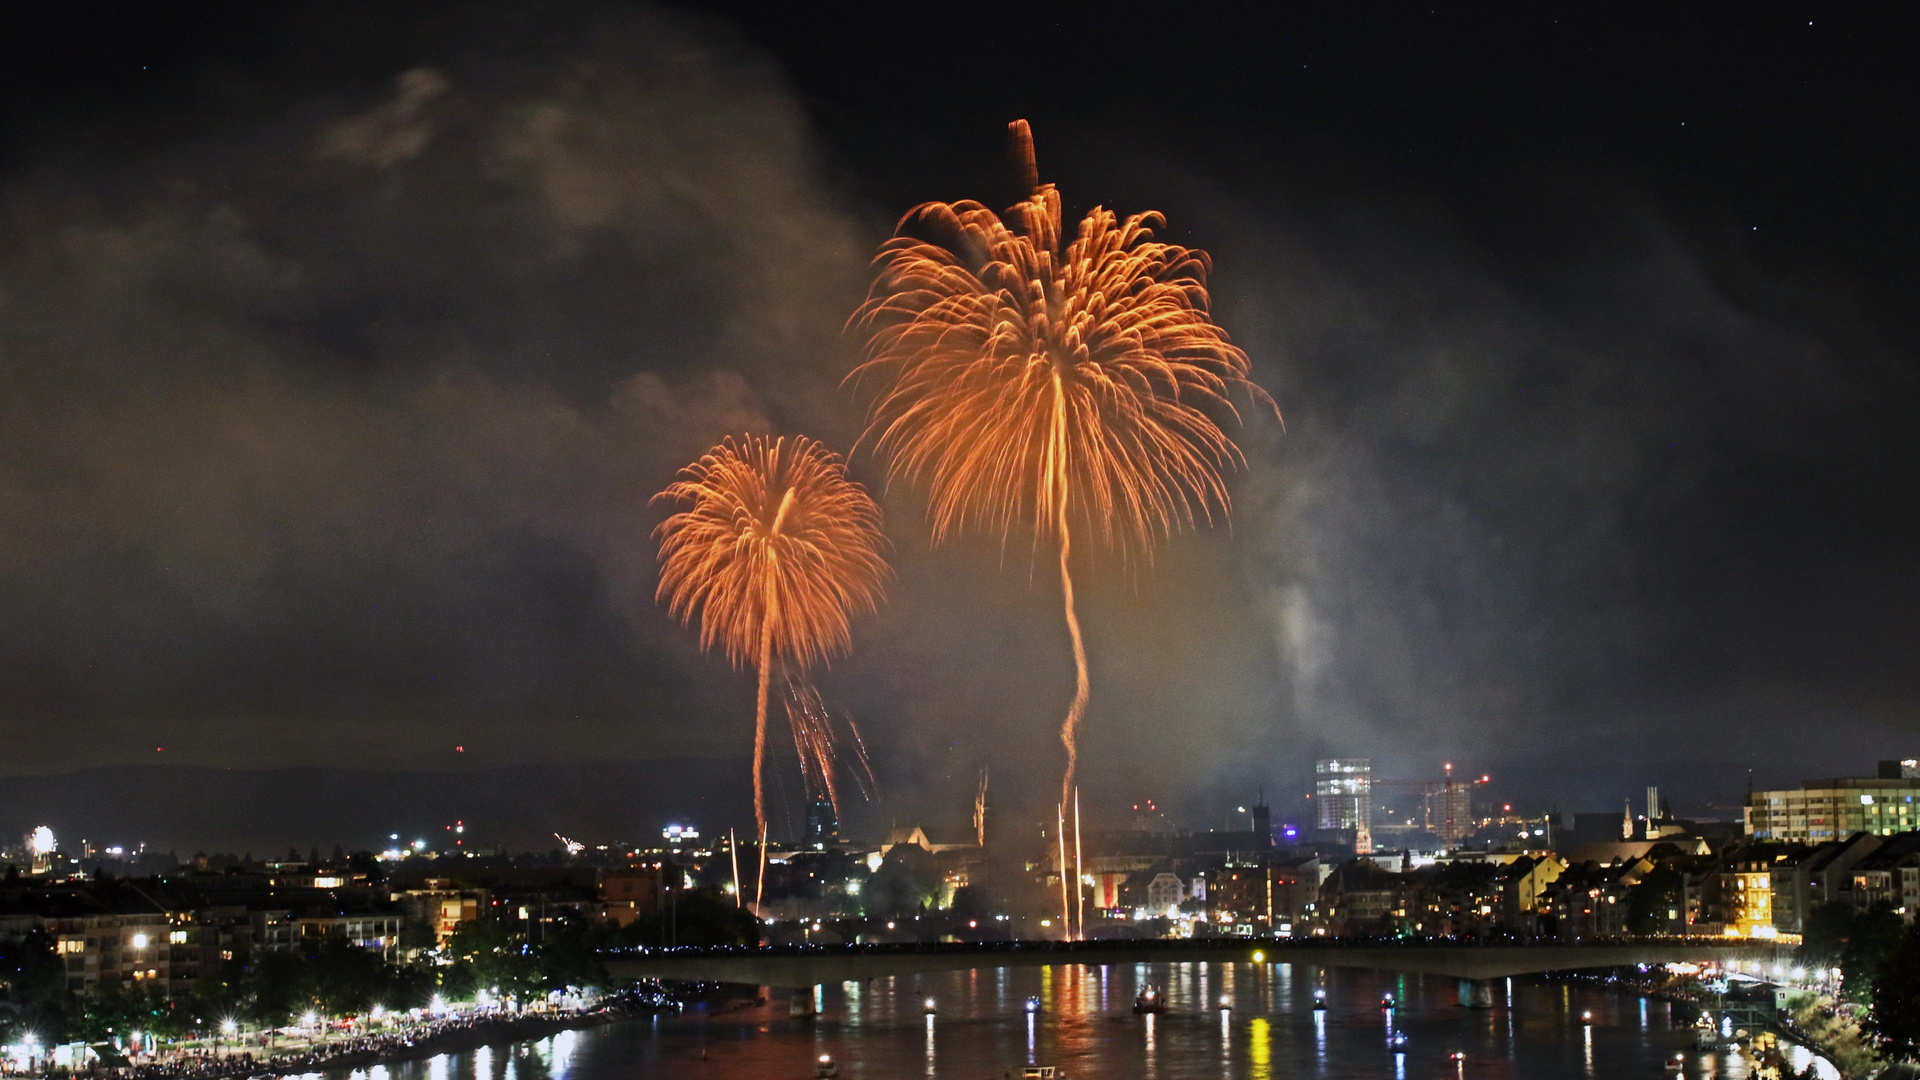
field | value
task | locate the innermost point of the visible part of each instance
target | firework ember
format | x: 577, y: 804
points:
x: 776, y: 549
x: 1026, y: 383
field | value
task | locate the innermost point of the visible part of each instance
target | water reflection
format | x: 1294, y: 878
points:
x: 1085, y: 1026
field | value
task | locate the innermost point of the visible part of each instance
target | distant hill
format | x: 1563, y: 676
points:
x: 266, y: 811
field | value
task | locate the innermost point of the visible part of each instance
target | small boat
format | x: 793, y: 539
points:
x: 1040, y: 1072
x: 1149, y: 1001
x: 1033, y: 1004
x: 1319, y: 999
x: 826, y: 1069
x: 930, y: 1008
x: 1397, y: 1040
x: 1386, y: 1002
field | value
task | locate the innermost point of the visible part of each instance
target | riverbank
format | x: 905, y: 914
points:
x: 444, y: 1035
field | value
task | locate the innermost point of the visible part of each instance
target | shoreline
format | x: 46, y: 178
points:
x: 519, y: 1029
x: 482, y: 1032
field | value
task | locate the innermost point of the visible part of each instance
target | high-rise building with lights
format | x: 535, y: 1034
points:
x: 1344, y: 789
x: 823, y: 824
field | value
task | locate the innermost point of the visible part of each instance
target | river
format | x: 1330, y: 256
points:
x: 1085, y: 1025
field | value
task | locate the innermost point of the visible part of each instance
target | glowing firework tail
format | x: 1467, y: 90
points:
x: 1025, y: 382
x: 820, y: 749
x: 980, y: 811
x: 776, y: 549
x: 1060, y: 830
x: 733, y: 850
x: 1079, y: 877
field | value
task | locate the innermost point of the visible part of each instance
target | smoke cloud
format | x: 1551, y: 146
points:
x: 327, y: 434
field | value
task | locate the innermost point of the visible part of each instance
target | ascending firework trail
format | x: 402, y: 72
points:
x: 1023, y: 382
x: 777, y: 549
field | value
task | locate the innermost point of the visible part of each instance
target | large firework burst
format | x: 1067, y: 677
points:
x: 776, y: 549
x: 1022, y: 382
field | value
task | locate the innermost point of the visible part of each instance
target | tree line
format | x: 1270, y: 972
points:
x: 333, y: 978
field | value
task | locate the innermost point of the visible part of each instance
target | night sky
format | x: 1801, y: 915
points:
x: 342, y: 346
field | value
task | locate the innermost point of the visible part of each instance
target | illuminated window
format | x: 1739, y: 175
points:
x: 178, y: 937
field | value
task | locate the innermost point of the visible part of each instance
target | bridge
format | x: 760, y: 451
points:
x: 807, y: 966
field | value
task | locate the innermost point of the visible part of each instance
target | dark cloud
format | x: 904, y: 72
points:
x: 330, y: 436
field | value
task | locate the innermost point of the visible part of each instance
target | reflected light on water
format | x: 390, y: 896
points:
x: 880, y: 1030
x: 560, y: 1054
x: 1226, y: 1043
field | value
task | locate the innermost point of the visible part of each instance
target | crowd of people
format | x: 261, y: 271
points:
x: 367, y: 1047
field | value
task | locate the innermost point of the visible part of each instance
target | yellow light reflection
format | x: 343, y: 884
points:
x: 1260, y: 1049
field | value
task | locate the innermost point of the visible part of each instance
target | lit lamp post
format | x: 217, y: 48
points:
x: 227, y: 1028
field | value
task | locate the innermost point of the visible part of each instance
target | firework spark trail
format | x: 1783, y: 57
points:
x: 1026, y: 383
x: 775, y: 550
x: 820, y: 748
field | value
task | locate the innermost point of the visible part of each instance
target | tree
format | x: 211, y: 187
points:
x: 1872, y: 937
x: 487, y: 955
x: 1894, y: 1017
x: 1824, y: 936
x: 278, y: 985
x: 345, y: 979
x: 694, y: 917
x: 33, y: 984
x: 907, y: 883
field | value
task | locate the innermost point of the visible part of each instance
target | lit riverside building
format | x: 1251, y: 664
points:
x: 1344, y: 787
x: 1834, y: 809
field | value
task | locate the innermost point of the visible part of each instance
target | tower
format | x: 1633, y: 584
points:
x: 823, y: 824
x: 1344, y: 787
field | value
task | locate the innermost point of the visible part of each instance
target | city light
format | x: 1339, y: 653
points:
x: 41, y: 841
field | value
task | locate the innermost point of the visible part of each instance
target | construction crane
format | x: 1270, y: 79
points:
x: 1454, y: 822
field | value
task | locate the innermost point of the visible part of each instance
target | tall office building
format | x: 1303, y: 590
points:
x: 1450, y: 811
x: 823, y: 824
x: 1344, y: 788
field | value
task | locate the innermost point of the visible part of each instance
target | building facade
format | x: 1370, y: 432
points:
x: 1823, y: 810
x: 1344, y: 789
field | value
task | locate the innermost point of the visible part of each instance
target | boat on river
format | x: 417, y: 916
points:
x: 1150, y: 1000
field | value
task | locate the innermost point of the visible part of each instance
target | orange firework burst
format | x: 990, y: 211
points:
x: 1024, y: 382
x: 777, y: 549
